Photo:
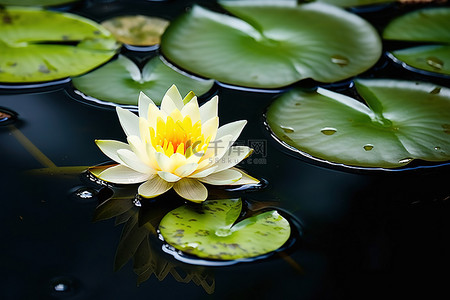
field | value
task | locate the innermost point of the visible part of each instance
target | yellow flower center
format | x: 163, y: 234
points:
x: 179, y: 136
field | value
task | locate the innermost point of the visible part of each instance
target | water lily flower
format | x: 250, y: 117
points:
x: 180, y: 145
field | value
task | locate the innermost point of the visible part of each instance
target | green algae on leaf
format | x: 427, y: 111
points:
x: 430, y: 26
x: 39, y: 45
x: 121, y: 81
x: 402, y: 122
x: 209, y: 231
x: 270, y: 45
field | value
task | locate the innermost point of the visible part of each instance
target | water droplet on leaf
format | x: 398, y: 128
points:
x: 287, y: 129
x: 435, y: 62
x: 339, y: 60
x: 435, y: 91
x: 368, y: 147
x: 405, y: 160
x: 328, y: 130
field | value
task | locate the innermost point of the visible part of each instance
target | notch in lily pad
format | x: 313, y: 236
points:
x: 272, y: 44
x: 402, y: 121
x: 428, y: 26
x: 121, y: 81
x: 40, y: 45
x: 210, y: 230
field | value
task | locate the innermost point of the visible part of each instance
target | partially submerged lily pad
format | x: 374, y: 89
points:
x: 120, y: 81
x: 270, y: 45
x: 39, y: 45
x: 430, y: 26
x: 209, y: 231
x: 402, y: 122
x: 137, y: 30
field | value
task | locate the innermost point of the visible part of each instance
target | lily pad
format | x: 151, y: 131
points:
x: 39, y: 45
x: 120, y: 81
x: 272, y: 45
x: 352, y: 3
x: 402, y: 122
x: 430, y: 26
x: 209, y: 231
x: 137, y: 30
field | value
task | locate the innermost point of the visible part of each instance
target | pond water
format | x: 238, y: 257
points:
x: 358, y: 233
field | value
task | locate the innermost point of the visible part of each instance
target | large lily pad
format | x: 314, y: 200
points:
x: 120, y: 81
x: 39, y: 45
x: 403, y: 121
x: 429, y: 26
x: 208, y: 231
x: 272, y: 45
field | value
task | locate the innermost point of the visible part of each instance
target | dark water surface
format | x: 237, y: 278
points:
x: 364, y: 234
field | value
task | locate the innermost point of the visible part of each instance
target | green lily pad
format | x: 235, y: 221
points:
x: 403, y: 121
x: 39, y: 45
x: 208, y: 231
x: 36, y: 2
x: 120, y: 81
x: 272, y: 45
x: 352, y: 3
x: 429, y: 26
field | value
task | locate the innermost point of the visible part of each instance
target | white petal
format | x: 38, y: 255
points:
x: 153, y: 114
x: 209, y: 109
x: 177, y: 160
x: 129, y: 121
x: 191, y: 189
x: 232, y: 157
x: 245, y: 179
x: 138, y: 147
x: 123, y: 175
x: 169, y: 177
x: 191, y: 109
x: 234, y: 129
x: 209, y: 129
x: 144, y: 131
x: 164, y: 163
x: 154, y: 187
x: 172, y: 100
x: 217, y: 149
x: 186, y: 170
x: 204, y: 172
x: 143, y: 104
x: 110, y: 147
x: 222, y: 178
x: 132, y: 161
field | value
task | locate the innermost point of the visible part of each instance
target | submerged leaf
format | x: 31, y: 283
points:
x: 121, y: 81
x: 403, y: 121
x: 429, y: 26
x: 208, y: 231
x: 137, y: 30
x: 269, y: 45
x: 40, y: 45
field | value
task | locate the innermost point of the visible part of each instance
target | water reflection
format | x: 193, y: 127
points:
x: 140, y: 219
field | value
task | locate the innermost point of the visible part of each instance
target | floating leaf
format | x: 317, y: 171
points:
x: 352, y: 3
x: 427, y: 25
x: 137, y: 30
x: 40, y: 45
x: 404, y: 121
x: 208, y: 231
x: 120, y: 81
x: 272, y: 45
